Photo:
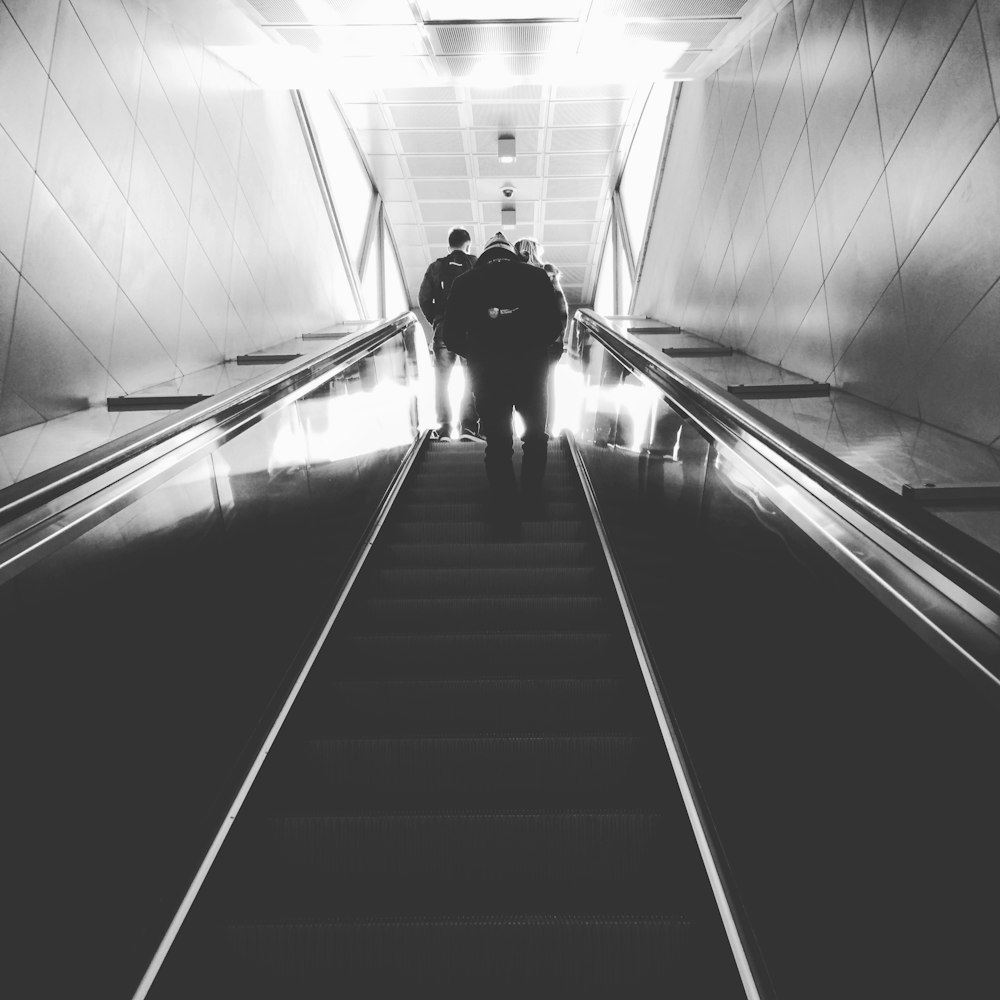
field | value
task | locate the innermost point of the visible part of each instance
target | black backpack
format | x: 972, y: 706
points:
x: 443, y: 273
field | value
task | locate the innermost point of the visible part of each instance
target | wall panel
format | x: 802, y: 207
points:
x: 876, y: 146
x: 158, y: 215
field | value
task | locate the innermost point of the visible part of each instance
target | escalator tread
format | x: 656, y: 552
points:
x: 471, y: 796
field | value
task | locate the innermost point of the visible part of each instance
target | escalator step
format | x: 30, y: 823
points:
x: 486, y: 555
x: 458, y: 958
x: 531, y: 532
x: 460, y: 615
x: 546, y: 654
x: 453, y: 512
x: 497, y: 772
x: 499, y: 581
x: 468, y: 707
x: 420, y: 862
x: 478, y: 492
x: 428, y: 479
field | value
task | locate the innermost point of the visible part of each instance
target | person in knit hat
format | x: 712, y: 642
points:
x: 529, y: 250
x: 503, y: 318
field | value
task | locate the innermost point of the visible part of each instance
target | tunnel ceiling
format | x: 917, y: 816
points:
x: 428, y: 89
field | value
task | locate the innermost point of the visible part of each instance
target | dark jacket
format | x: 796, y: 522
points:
x: 503, y: 310
x: 434, y: 289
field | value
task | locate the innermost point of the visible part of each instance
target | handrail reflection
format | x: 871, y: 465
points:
x: 157, y: 438
x: 974, y: 567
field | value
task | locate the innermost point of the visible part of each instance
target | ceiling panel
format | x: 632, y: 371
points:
x: 527, y: 211
x: 421, y: 95
x: 572, y: 211
x: 457, y: 10
x: 453, y: 188
x: 573, y: 140
x: 507, y: 38
x: 577, y: 165
x: 452, y: 141
x: 569, y: 232
x: 523, y: 166
x: 528, y: 140
x: 395, y: 190
x: 377, y: 141
x: 508, y: 116
x: 424, y: 116
x: 365, y: 116
x: 575, y: 187
x: 593, y: 92
x: 445, y: 211
x: 366, y: 12
x: 386, y: 168
x: 429, y: 85
x: 578, y: 113
x: 529, y: 188
x: 567, y: 253
x: 509, y: 92
x: 405, y: 234
x: 371, y: 40
x: 698, y: 34
x: 666, y: 8
x: 437, y: 166
x: 404, y: 213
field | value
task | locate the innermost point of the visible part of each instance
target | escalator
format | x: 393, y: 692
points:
x: 471, y: 796
x: 291, y: 715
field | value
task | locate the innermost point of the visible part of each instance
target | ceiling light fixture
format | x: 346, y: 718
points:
x: 506, y: 152
x: 508, y: 216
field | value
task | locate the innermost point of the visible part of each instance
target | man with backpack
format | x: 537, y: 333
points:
x: 504, y: 318
x: 433, y: 299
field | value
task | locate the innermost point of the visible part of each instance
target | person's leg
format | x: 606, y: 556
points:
x: 532, y: 403
x: 444, y: 362
x: 493, y: 402
x: 469, y: 414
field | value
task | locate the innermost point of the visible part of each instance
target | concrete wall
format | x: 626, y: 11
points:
x: 157, y: 214
x: 831, y: 203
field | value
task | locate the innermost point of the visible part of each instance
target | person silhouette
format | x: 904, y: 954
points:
x: 433, y: 300
x: 503, y: 317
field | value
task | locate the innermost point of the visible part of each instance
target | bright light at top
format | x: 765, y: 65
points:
x: 502, y: 10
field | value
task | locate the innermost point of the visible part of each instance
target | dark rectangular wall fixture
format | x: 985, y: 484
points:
x: 780, y: 390
x: 265, y: 359
x: 966, y: 494
x: 153, y: 402
x: 697, y: 352
x: 653, y: 329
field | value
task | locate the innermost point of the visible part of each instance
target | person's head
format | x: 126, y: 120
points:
x: 498, y: 247
x: 529, y: 250
x: 459, y: 239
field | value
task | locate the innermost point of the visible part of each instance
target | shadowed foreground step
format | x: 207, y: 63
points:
x: 471, y: 797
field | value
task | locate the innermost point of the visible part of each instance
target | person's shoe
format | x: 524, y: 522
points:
x: 442, y: 433
x: 470, y: 435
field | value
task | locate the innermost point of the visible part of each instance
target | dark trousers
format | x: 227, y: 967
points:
x: 444, y: 362
x: 500, y: 389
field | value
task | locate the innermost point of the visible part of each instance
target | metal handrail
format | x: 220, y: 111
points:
x: 361, y: 553
x: 749, y: 961
x: 973, y: 567
x: 158, y: 438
